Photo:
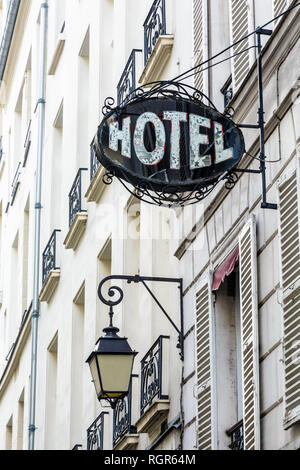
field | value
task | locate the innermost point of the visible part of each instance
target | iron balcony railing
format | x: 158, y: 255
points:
x: 122, y: 418
x: 15, y: 184
x: 151, y: 375
x: 94, y: 163
x: 154, y: 26
x: 127, y: 83
x: 95, y: 433
x: 49, y: 256
x: 27, y: 143
x: 236, y: 433
x: 75, y: 196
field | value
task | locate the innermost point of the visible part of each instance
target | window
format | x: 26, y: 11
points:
x: 9, y: 434
x: 228, y: 356
x: 242, y: 23
x: 290, y: 284
x: 51, y: 395
x: 83, y: 97
x: 217, y: 329
x: 20, y: 422
x: 78, y: 362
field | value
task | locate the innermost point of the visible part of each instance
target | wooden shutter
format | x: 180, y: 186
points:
x: 241, y: 16
x: 289, y: 193
x: 249, y: 335
x: 280, y: 6
x: 205, y: 366
x: 200, y: 43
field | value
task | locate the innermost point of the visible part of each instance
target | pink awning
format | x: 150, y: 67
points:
x: 225, y: 269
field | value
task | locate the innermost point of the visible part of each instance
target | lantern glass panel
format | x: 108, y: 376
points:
x: 95, y: 374
x: 115, y: 370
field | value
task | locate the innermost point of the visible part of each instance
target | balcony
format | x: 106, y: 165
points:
x: 127, y: 83
x: 77, y: 215
x: 97, y: 171
x: 154, y: 403
x: 95, y: 433
x: 236, y: 433
x: 157, y: 43
x: 50, y: 270
x: 27, y: 144
x: 125, y: 436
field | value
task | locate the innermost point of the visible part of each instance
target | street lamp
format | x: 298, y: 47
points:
x: 111, y: 365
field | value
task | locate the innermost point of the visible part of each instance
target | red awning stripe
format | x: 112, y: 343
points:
x: 225, y: 269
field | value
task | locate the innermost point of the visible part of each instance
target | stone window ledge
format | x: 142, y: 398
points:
x: 97, y: 186
x: 158, y: 59
x: 50, y: 286
x: 57, y: 54
x: 76, y: 231
x: 153, y: 417
x: 129, y: 442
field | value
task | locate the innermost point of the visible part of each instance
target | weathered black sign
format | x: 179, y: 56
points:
x: 168, y: 144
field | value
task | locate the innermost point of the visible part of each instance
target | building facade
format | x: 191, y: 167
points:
x: 238, y: 385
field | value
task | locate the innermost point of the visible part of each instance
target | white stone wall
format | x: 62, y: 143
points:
x: 99, y: 37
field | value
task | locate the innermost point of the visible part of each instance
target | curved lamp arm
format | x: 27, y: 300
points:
x: 113, y: 290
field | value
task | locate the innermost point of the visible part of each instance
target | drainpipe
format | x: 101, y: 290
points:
x: 35, y: 303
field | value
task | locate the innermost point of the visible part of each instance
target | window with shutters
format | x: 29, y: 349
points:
x: 249, y: 334
x: 200, y: 43
x: 227, y: 356
x: 229, y: 363
x: 205, y: 367
x: 289, y: 194
x: 242, y: 23
x: 280, y: 6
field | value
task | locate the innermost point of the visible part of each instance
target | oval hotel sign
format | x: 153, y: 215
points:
x: 168, y: 144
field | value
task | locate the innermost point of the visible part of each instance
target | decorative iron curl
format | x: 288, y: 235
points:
x: 108, y: 177
x: 111, y: 292
x: 231, y: 179
x: 108, y: 105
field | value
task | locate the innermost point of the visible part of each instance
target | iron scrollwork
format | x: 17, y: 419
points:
x: 49, y: 256
x: 151, y: 375
x: 94, y: 163
x: 154, y: 26
x: 95, y: 433
x: 75, y: 196
x: 127, y: 83
x: 236, y: 434
x: 122, y: 417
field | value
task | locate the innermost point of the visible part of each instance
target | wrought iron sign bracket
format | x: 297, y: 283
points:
x: 261, y: 123
x: 164, y: 168
x: 143, y: 279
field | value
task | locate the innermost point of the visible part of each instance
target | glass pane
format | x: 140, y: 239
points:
x: 94, y: 372
x: 115, y: 372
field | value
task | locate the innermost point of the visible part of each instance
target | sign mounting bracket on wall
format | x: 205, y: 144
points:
x: 261, y: 123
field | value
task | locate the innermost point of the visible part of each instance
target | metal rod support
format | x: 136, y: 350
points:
x: 261, y: 122
x: 143, y: 279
